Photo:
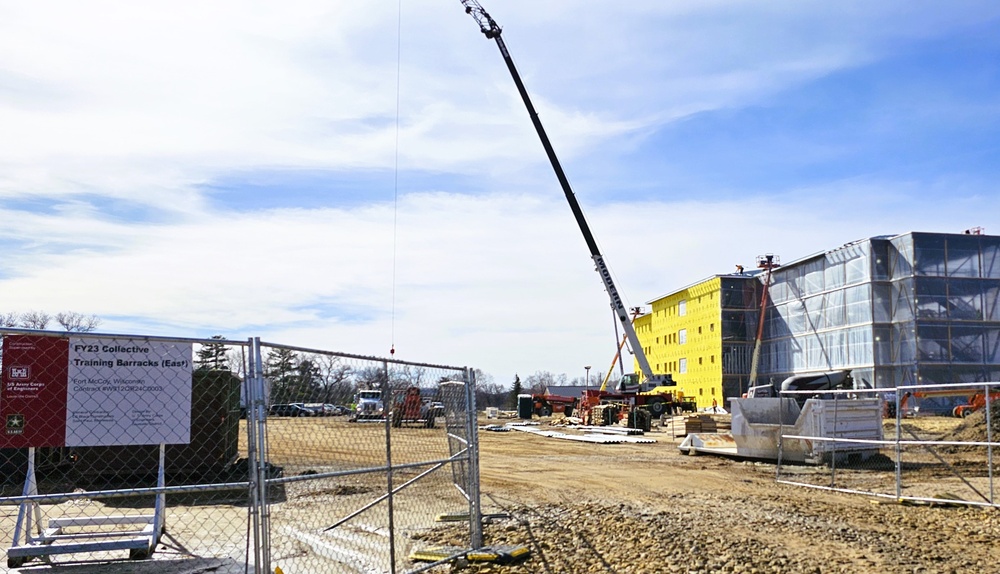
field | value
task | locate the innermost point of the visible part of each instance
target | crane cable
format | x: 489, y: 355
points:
x: 395, y: 179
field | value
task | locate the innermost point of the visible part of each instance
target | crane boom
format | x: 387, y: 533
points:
x: 492, y: 31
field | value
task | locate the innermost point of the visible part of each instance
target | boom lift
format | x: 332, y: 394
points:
x: 630, y: 384
x: 975, y: 399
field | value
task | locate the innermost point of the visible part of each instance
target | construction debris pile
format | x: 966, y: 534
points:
x: 974, y: 427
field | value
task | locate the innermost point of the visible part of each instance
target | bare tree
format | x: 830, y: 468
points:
x: 236, y: 358
x: 482, y: 378
x: 407, y: 376
x: 9, y: 319
x: 334, y: 379
x: 491, y: 395
x: 536, y: 384
x: 78, y: 322
x: 35, y: 319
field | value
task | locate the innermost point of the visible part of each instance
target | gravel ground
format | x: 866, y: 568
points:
x: 647, y: 508
x: 631, y: 508
x: 702, y: 534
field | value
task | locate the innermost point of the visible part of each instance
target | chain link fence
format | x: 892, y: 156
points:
x: 244, y: 455
x: 936, y: 444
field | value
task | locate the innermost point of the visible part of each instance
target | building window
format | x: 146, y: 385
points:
x: 682, y: 307
x: 711, y: 327
x: 683, y: 366
x: 713, y: 391
x: 682, y: 336
x: 712, y: 359
x: 701, y: 392
x: 699, y: 360
x: 699, y: 329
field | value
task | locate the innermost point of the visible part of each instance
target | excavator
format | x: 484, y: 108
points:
x: 650, y: 389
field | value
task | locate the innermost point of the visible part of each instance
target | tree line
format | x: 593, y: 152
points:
x: 68, y: 320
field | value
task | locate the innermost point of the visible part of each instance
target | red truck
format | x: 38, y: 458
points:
x: 545, y: 405
x: 415, y: 409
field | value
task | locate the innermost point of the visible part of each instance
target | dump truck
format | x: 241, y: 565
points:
x: 368, y: 405
x: 761, y: 423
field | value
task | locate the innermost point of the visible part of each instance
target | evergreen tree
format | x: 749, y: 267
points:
x: 281, y: 369
x: 212, y: 356
x: 515, y: 390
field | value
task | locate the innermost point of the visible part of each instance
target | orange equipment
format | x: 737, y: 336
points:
x: 976, y: 400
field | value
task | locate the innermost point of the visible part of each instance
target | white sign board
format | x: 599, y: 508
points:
x: 128, y: 392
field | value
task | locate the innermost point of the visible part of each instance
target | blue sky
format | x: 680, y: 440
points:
x: 356, y: 175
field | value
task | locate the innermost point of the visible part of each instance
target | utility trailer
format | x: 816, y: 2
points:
x: 804, y: 433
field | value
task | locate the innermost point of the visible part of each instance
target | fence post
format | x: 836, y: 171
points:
x: 989, y: 438
x: 249, y: 397
x: 899, y: 450
x: 258, y: 468
x: 781, y: 434
x: 833, y: 449
x: 475, y: 507
x: 387, y: 410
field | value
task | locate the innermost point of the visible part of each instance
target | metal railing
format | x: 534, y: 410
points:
x: 935, y: 446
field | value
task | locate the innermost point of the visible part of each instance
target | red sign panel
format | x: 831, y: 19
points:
x: 33, y: 391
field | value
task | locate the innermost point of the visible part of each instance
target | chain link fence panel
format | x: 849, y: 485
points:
x: 271, y: 456
x: 365, y: 456
x: 936, y: 444
x: 83, y: 469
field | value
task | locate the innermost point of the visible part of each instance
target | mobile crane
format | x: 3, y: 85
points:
x: 650, y: 385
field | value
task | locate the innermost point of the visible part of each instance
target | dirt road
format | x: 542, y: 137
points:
x: 618, y: 508
x: 647, y: 508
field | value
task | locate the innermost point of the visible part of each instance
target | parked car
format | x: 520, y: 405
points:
x: 289, y: 410
x: 315, y: 409
x: 335, y: 410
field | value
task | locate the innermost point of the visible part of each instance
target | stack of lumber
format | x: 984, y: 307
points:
x: 705, y: 423
x: 699, y: 424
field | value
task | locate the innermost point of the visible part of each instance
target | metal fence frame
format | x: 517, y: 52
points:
x: 897, y: 448
x: 461, y: 430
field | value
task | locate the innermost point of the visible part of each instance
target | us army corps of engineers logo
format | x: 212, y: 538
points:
x: 15, y: 424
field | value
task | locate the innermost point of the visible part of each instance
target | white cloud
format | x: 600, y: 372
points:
x: 143, y: 104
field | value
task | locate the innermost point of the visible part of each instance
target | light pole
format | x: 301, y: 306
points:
x: 587, y: 368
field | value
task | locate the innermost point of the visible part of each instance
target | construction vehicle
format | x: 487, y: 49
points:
x: 767, y: 426
x: 817, y: 382
x: 546, y: 405
x: 630, y: 388
x: 975, y: 401
x: 368, y: 405
x: 413, y: 408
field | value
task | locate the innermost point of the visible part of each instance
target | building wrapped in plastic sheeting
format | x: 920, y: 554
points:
x: 917, y: 308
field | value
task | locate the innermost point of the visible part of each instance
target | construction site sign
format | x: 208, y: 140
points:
x: 80, y: 391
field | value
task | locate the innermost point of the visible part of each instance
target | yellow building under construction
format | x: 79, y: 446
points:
x: 703, y: 335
